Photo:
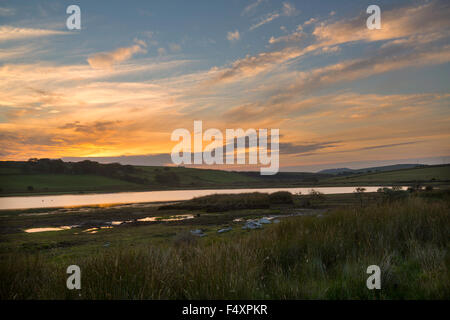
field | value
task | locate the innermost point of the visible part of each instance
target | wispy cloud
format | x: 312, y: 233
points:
x: 293, y: 37
x: 287, y: 10
x: 106, y: 60
x: 14, y: 53
x: 397, y: 23
x: 5, y: 12
x: 398, y: 27
x: 14, y: 33
x: 251, y: 7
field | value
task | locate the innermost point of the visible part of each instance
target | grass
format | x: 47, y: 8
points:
x: 306, y: 257
x: 195, y: 177
x: 49, y: 183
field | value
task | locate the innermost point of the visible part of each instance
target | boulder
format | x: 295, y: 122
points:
x: 198, y: 232
x: 252, y: 225
x: 224, y: 230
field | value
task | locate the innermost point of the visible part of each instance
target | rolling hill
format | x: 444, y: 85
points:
x: 55, y: 176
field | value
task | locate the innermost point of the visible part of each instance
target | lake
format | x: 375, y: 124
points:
x: 70, y: 200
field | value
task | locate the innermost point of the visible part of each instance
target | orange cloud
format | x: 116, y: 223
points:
x: 14, y: 33
x: 106, y: 60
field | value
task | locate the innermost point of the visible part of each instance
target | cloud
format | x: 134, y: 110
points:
x: 268, y: 18
x: 174, y: 47
x: 286, y: 10
x: 13, y: 53
x: 400, y: 27
x: 350, y: 70
x: 13, y: 33
x: 106, y: 60
x: 91, y: 128
x: 291, y: 148
x: 5, y: 12
x: 233, y: 36
x: 396, y: 23
x: 293, y: 37
x: 161, y: 51
x: 103, y: 112
x: 253, y: 65
x: 251, y: 7
x: 310, y: 21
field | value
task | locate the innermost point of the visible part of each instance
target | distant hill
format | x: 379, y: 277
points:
x: 342, y: 171
x: 47, y: 176
x: 431, y: 174
x: 56, y: 176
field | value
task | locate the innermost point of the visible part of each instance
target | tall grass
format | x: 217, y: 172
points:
x: 300, y: 258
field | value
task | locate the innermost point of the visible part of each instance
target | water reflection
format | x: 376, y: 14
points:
x: 33, y: 230
x: 29, y: 202
x: 171, y: 218
x: 112, y: 223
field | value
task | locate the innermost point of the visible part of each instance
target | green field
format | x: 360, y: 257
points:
x: 199, y: 177
x: 53, y: 183
x: 432, y: 174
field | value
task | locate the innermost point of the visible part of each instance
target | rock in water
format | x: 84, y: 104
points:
x: 198, y: 232
x: 252, y: 225
x: 224, y: 230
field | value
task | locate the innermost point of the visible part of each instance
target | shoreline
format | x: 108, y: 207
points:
x: 187, y: 188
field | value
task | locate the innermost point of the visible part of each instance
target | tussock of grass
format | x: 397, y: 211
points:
x: 299, y: 258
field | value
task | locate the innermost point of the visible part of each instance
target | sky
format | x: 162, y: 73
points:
x: 339, y: 93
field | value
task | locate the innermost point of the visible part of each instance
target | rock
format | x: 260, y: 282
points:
x: 276, y: 221
x: 224, y: 230
x: 252, y: 225
x: 198, y: 232
x: 264, y: 220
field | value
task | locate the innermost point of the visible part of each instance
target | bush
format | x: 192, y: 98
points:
x: 281, y: 197
x: 224, y: 202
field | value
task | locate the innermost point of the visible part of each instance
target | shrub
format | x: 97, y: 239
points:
x: 281, y: 197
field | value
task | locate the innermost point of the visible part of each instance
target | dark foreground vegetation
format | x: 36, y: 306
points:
x: 302, y: 257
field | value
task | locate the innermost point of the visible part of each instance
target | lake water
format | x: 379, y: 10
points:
x: 70, y: 200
